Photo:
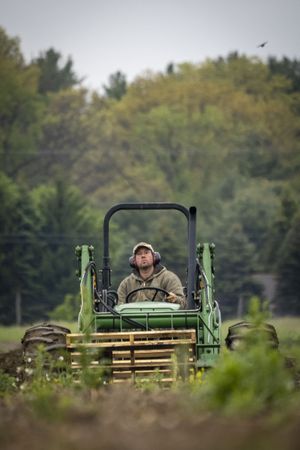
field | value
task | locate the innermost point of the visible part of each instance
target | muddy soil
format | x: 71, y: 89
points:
x: 124, y: 418
x: 11, y: 359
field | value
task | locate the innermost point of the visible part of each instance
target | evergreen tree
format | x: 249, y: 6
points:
x: 10, y: 49
x: 20, y: 108
x: 287, y: 68
x: 65, y: 138
x: 117, y: 86
x: 64, y: 221
x: 235, y: 265
x: 53, y: 75
x: 287, y: 298
x: 18, y: 250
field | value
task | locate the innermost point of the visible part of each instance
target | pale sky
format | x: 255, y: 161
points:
x: 103, y: 36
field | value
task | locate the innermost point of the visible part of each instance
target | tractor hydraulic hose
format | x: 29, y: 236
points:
x: 219, y: 312
x: 207, y: 286
x: 91, y: 265
x: 114, y: 312
x: 209, y: 331
x: 205, y: 283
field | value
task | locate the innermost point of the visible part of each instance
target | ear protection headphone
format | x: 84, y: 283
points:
x: 156, y: 260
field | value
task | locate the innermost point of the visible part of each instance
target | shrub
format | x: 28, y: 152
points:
x: 7, y: 384
x: 249, y: 380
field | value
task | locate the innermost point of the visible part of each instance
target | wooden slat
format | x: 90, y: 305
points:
x: 126, y: 334
x: 143, y: 362
x: 125, y: 354
x: 130, y: 338
x: 140, y: 372
x: 167, y: 381
x: 128, y: 344
x: 141, y: 353
x: 132, y: 355
x: 128, y: 365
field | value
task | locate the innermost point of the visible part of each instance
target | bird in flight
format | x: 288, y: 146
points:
x: 262, y: 44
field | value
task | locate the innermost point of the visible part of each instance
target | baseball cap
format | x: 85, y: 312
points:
x: 142, y: 244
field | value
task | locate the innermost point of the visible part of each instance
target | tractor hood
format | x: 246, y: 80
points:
x: 147, y: 307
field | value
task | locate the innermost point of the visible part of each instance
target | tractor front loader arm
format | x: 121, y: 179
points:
x: 87, y: 276
x: 209, y: 308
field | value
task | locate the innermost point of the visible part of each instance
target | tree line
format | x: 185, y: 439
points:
x: 222, y: 135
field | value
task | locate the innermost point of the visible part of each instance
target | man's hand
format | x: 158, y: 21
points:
x: 171, y: 298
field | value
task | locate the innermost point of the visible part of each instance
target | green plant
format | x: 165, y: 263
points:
x: 251, y: 379
x: 48, y: 402
x: 150, y: 383
x: 68, y: 310
x: 47, y: 382
x: 258, y: 311
x: 7, y: 384
x: 91, y: 376
x: 248, y: 381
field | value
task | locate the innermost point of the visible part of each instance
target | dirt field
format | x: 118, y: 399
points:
x: 11, y: 359
x: 126, y: 418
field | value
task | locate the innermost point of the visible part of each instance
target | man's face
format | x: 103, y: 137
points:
x: 143, y: 258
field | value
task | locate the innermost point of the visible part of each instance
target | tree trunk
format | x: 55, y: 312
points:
x: 18, y: 307
x: 240, y: 307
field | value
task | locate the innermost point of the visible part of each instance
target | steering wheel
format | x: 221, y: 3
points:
x: 156, y: 289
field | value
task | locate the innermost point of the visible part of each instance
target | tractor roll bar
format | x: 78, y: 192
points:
x: 190, y: 215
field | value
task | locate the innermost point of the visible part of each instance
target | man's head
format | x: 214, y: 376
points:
x: 144, y: 256
x: 142, y: 245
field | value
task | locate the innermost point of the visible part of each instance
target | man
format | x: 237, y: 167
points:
x: 148, y: 272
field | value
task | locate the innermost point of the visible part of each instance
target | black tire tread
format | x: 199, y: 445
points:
x: 238, y: 332
x: 51, y: 336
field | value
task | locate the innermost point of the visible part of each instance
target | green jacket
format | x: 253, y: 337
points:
x: 161, y: 278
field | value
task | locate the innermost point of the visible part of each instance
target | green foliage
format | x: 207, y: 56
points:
x: 288, y: 271
x: 235, y: 263
x: 91, y: 377
x: 20, y: 109
x: 151, y: 383
x: 68, y: 310
x: 46, y: 377
x: 221, y: 135
x: 251, y: 380
x: 18, y: 247
x: 53, y: 75
x: 289, y: 69
x: 49, y: 374
x: 10, y: 48
x: 62, y: 221
x: 38, y: 235
x: 248, y: 382
x: 117, y: 86
x: 7, y: 384
x: 66, y: 134
x: 49, y: 405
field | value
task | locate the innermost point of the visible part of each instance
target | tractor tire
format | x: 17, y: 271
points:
x: 51, y: 337
x: 239, y: 332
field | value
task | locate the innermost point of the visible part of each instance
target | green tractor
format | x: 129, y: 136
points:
x: 140, y: 340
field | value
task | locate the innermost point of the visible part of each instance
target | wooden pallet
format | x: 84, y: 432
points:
x: 135, y: 355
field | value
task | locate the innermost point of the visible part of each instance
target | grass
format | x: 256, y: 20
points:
x: 288, y: 330
x: 12, y: 335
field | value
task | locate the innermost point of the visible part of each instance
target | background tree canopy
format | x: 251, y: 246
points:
x: 222, y: 135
